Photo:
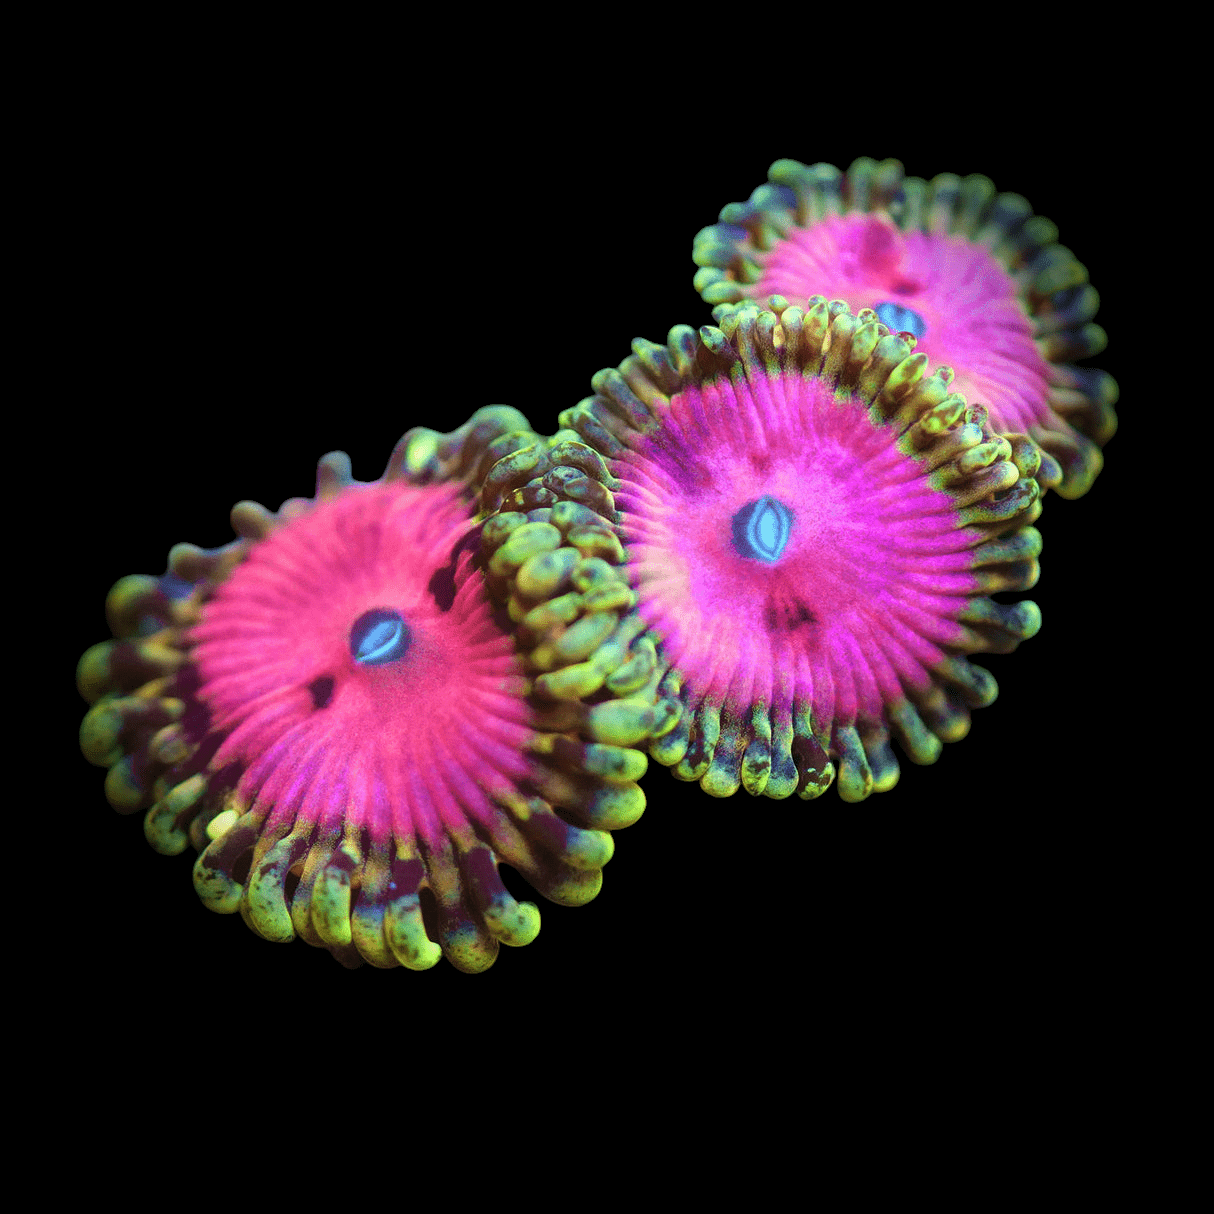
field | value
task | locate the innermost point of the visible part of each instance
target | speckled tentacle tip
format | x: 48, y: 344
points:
x: 555, y: 560
x: 813, y: 525
x: 335, y: 714
x: 974, y: 275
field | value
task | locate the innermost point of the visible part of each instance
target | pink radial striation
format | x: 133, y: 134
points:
x: 405, y: 749
x: 334, y: 712
x: 867, y: 590
x: 979, y: 280
x: 973, y: 320
x: 813, y: 525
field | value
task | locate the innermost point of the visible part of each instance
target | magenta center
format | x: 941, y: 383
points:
x: 947, y: 291
x: 775, y: 528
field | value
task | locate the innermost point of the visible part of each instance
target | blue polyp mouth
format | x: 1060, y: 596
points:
x: 379, y: 636
x: 761, y: 529
x: 898, y: 318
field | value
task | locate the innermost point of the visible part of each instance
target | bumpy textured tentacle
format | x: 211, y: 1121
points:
x: 774, y: 244
x: 427, y: 457
x: 780, y: 703
x: 365, y: 806
x: 558, y: 567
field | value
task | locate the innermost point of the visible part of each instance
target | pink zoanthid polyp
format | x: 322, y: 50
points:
x: 973, y: 275
x: 862, y: 594
x: 813, y: 525
x: 334, y: 712
x: 953, y: 295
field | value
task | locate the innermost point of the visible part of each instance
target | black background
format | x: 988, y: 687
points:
x: 248, y: 294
